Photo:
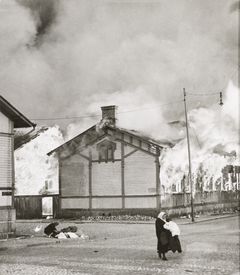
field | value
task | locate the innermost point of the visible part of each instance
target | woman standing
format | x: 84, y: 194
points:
x: 163, y: 236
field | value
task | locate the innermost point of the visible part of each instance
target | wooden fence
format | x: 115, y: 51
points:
x: 214, y: 197
x: 30, y: 207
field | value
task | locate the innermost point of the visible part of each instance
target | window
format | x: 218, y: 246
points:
x: 106, y: 151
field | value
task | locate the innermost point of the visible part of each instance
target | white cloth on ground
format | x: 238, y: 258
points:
x: 67, y: 235
x: 172, y: 227
x: 61, y: 235
x: 72, y: 235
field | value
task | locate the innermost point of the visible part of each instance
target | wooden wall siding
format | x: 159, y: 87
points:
x: 143, y: 202
x: 106, y: 178
x: 85, y: 152
x: 6, y: 161
x: 106, y: 203
x: 74, y: 176
x: 74, y: 203
x: 5, y: 124
x: 5, y: 200
x: 140, y: 174
x: 130, y: 139
x: 128, y: 149
x: 28, y: 207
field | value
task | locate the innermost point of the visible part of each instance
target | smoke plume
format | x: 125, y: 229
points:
x: 58, y: 57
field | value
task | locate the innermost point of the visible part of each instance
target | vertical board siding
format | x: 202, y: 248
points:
x: 140, y: 174
x: 107, y: 203
x: 74, y: 203
x: 74, y: 176
x: 28, y: 207
x: 106, y: 178
x: 148, y: 202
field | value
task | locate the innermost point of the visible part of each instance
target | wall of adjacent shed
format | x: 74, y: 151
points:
x: 6, y: 159
x: 7, y: 213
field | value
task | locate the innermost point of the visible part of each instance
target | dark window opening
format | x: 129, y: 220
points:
x: 106, y: 151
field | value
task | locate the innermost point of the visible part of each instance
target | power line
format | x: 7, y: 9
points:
x: 65, y: 118
x: 203, y: 94
x: 97, y: 115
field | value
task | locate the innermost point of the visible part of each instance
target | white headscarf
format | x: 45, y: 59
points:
x: 160, y: 215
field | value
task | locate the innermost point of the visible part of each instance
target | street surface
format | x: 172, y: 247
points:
x: 210, y: 247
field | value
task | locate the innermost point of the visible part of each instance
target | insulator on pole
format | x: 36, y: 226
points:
x: 221, y: 101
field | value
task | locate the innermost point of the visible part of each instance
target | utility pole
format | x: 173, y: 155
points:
x: 189, y: 155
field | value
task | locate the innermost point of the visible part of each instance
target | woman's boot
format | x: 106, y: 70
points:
x: 164, y: 257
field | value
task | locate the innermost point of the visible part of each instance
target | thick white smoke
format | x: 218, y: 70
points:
x: 147, y: 118
x: 65, y: 54
x: 35, y: 172
x: 214, y: 143
x: 67, y: 58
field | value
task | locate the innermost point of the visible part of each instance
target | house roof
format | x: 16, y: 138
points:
x: 70, y: 140
x: 150, y: 141
x: 161, y: 143
x: 21, y: 139
x: 19, y: 120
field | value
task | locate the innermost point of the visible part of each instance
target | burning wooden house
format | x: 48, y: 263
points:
x: 108, y: 169
x: 10, y: 118
x: 36, y: 174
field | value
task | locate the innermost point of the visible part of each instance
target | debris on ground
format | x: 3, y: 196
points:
x: 38, y: 228
x: 69, y: 232
x: 110, y: 217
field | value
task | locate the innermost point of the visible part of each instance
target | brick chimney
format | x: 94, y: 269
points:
x: 109, y: 115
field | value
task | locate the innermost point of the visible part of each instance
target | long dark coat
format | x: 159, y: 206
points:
x: 51, y: 230
x: 163, y: 236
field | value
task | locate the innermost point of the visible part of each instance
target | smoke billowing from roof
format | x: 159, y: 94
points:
x: 60, y: 56
x: 69, y: 57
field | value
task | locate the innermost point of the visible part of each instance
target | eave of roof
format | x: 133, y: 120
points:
x: 147, y: 139
x: 70, y: 140
x: 129, y: 132
x: 28, y: 137
x: 19, y: 120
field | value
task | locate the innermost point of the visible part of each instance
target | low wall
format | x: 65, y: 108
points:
x: 179, y: 204
x: 200, y: 198
x: 29, y: 207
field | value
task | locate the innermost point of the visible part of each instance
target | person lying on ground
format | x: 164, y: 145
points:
x: 51, y: 230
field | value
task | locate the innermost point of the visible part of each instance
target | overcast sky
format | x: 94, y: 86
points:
x: 69, y: 57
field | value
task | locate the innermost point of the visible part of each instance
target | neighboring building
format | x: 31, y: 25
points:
x: 10, y: 118
x: 107, y: 169
x: 36, y: 174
